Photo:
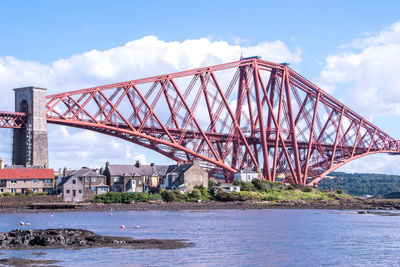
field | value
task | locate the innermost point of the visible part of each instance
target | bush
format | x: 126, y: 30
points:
x: 168, y: 196
x: 196, y: 194
x: 308, y: 189
x: 290, y: 187
x: 259, y: 184
x: 179, y: 196
x: 339, y: 191
x: 222, y: 196
x: 246, y: 186
x: 7, y: 194
x: 154, y: 197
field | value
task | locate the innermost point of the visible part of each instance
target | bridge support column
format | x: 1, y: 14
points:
x: 30, y: 142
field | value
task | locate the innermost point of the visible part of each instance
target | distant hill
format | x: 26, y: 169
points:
x: 361, y: 184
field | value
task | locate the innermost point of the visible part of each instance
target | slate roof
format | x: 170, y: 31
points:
x: 181, y: 168
x: 66, y: 179
x: 26, y: 174
x: 143, y: 170
x: 86, y: 173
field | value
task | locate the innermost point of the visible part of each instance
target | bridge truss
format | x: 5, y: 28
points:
x: 250, y: 114
x: 12, y: 119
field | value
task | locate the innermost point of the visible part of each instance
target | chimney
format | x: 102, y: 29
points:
x: 1, y: 164
x: 137, y: 165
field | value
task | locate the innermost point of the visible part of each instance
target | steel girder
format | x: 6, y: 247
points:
x: 245, y: 114
x: 12, y: 119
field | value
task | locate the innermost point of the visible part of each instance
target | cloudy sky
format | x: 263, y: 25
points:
x: 351, y: 50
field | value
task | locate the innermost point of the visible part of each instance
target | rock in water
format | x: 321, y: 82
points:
x: 79, y: 239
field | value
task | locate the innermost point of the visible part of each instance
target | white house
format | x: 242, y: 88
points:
x: 228, y: 188
x: 246, y: 175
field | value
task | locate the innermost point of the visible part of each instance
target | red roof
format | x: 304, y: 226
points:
x: 26, y: 174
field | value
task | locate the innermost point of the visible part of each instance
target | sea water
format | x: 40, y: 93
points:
x: 286, y: 237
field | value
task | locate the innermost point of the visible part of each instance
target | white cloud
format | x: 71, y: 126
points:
x: 371, y: 74
x: 365, y: 74
x: 136, y: 59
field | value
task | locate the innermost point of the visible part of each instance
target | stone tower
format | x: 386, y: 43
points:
x: 30, y: 143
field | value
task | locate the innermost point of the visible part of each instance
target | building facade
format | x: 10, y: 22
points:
x: 73, y: 189
x: 93, y: 181
x: 134, y: 178
x: 184, y: 177
x: 24, y: 181
x: 247, y: 175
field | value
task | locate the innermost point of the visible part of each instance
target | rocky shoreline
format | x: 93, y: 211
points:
x: 11, y: 205
x: 80, y: 239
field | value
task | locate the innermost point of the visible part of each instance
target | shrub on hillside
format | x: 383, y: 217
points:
x: 260, y: 185
x: 308, y: 189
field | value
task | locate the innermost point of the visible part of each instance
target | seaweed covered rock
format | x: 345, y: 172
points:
x: 78, y: 238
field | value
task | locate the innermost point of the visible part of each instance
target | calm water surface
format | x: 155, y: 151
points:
x: 227, y: 237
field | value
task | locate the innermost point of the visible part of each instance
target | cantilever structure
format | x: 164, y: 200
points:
x: 249, y: 113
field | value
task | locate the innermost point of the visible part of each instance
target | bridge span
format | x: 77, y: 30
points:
x: 250, y: 113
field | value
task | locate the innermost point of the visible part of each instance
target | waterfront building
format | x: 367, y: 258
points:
x: 92, y: 180
x: 184, y: 177
x: 247, y: 175
x: 26, y: 180
x: 135, y: 177
x: 73, y: 189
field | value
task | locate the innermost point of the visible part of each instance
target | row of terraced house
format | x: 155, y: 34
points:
x: 84, y: 184
x: 22, y: 180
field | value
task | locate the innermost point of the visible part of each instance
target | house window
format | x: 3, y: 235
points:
x: 93, y: 179
x: 86, y: 179
x: 13, y: 182
x: 80, y: 191
x: 140, y: 181
x: 35, y: 190
x: 87, y: 187
x: 13, y: 190
x: 2, y: 190
x: 68, y: 191
x: 94, y: 189
x: 35, y: 181
x: 47, y: 181
x: 74, y: 181
x: 101, y: 180
x: 116, y: 179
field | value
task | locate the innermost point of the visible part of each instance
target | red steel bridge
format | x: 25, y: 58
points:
x: 245, y: 114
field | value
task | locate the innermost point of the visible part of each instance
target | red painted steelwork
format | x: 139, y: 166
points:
x: 12, y: 119
x: 249, y: 113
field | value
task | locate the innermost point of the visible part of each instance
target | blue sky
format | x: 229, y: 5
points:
x: 324, y: 39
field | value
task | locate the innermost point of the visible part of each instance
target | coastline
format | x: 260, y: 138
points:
x: 341, y: 204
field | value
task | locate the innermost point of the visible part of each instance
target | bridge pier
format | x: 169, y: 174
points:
x: 30, y: 143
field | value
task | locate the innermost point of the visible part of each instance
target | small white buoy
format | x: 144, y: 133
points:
x: 28, y: 224
x: 51, y: 215
x: 110, y: 214
x: 21, y: 223
x: 137, y: 226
